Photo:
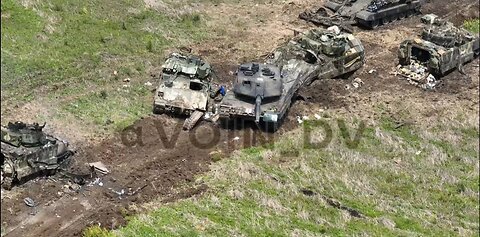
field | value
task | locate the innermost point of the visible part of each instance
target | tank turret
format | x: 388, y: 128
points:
x: 22, y: 134
x: 187, y: 65
x: 368, y: 13
x: 27, y: 150
x: 258, y: 82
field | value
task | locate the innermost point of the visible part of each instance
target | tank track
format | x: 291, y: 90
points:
x: 191, y: 121
x: 388, y: 19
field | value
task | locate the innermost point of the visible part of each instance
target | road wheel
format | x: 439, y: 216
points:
x: 374, y: 24
x: 158, y: 110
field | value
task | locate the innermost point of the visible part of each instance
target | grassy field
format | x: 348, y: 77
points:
x: 399, y: 181
x: 75, y: 55
x: 472, y: 25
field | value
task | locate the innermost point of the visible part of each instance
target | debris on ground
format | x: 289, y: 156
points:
x: 99, y: 166
x: 148, y: 83
x: 372, y: 71
x: 97, y: 181
x: 357, y: 83
x: 29, y: 202
x: 417, y: 74
x: 299, y: 120
x: 236, y: 138
x: 71, y: 187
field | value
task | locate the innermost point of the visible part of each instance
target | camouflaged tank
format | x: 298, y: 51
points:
x: 27, y: 151
x: 368, y: 13
x: 263, y: 92
x: 440, y: 48
x: 184, y: 88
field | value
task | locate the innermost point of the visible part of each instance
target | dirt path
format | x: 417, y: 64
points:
x: 167, y: 173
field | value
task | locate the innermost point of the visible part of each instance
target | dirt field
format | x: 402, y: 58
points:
x: 156, y: 171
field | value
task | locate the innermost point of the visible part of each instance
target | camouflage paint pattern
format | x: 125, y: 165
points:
x: 442, y: 46
x: 184, y: 85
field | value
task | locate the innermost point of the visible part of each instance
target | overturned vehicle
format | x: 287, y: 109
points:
x: 263, y: 92
x: 184, y: 88
x: 27, y: 151
x: 441, y: 48
x: 367, y: 13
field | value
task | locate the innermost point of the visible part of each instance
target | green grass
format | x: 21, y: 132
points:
x: 472, y: 25
x: 260, y: 192
x: 66, y: 50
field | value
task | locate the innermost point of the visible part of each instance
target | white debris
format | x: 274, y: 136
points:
x: 29, y: 202
x: 417, y: 74
x: 372, y: 71
x: 99, y: 166
x: 100, y: 184
x: 236, y: 138
x: 317, y: 116
x: 355, y: 85
x: 115, y: 73
x: 299, y: 120
x: 358, y: 80
x: 148, y: 83
x: 126, y: 80
x: 431, y: 82
x: 334, y: 29
x: 305, y: 117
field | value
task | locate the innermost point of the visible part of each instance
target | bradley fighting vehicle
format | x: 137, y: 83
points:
x: 368, y: 13
x: 263, y: 92
x: 184, y: 88
x: 27, y: 150
x: 441, y: 48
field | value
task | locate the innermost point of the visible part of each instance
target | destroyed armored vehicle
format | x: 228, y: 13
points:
x: 27, y: 151
x: 367, y: 13
x: 441, y: 48
x: 263, y: 92
x: 184, y: 87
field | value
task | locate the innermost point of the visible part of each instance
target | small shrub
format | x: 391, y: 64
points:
x: 97, y: 231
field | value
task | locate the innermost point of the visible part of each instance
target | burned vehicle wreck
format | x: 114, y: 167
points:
x: 367, y: 13
x: 184, y: 88
x: 263, y: 92
x: 441, y: 48
x: 27, y: 151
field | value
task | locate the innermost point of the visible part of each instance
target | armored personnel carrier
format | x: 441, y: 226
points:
x: 368, y: 13
x: 440, y: 48
x: 27, y: 150
x: 263, y: 92
x: 184, y: 88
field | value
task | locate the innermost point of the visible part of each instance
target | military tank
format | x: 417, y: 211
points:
x: 439, y: 49
x: 263, y: 92
x: 367, y: 13
x: 184, y: 88
x: 26, y: 151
